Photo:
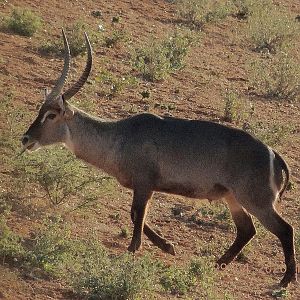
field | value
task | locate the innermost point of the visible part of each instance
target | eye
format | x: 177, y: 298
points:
x: 51, y: 116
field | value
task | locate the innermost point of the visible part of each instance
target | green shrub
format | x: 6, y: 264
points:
x: 270, y: 29
x: 177, y: 46
x: 244, y: 8
x: 181, y: 280
x: 271, y: 135
x: 280, y: 294
x: 52, y: 247
x: 219, y: 214
x: 125, y: 233
x: 195, y: 13
x: 276, y: 77
x: 10, y: 243
x: 236, y: 109
x: 76, y: 39
x: 114, y: 37
x: 22, y: 21
x: 151, y: 61
x: 156, y: 60
x: 115, y: 277
x: 218, y: 10
x: 178, y: 281
x: 111, y: 85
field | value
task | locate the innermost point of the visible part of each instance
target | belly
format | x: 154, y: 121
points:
x: 215, y: 192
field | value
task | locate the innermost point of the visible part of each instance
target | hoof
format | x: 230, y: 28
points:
x: 169, y: 248
x: 134, y: 246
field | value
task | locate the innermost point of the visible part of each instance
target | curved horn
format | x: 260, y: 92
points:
x: 62, y: 79
x: 83, y: 78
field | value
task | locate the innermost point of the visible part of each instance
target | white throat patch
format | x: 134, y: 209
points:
x: 68, y: 141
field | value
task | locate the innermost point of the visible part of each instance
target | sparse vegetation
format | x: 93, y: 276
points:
x: 272, y: 135
x: 10, y: 243
x: 124, y: 232
x: 280, y: 294
x: 52, y: 247
x: 75, y: 34
x: 178, y: 281
x: 236, y: 109
x: 181, y: 280
x: 151, y: 61
x: 245, y: 8
x: 101, y: 276
x: 49, y: 200
x: 207, y: 215
x: 156, y: 60
x: 276, y: 77
x: 114, y: 37
x: 270, y: 29
x: 22, y: 21
x: 195, y: 13
x: 111, y: 85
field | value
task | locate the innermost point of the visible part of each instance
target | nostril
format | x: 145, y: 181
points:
x: 25, y: 140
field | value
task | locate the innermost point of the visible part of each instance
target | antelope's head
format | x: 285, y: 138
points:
x: 50, y: 125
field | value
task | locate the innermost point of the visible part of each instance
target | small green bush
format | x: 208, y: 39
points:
x: 52, y: 247
x: 10, y: 243
x: 115, y: 277
x: 276, y: 77
x: 270, y: 29
x: 111, y: 85
x: 236, y: 109
x: 181, y: 280
x: 114, y: 37
x: 271, y: 135
x: 151, y: 61
x: 124, y: 233
x: 156, y: 60
x: 195, y: 13
x: 76, y: 39
x: 178, y: 281
x: 207, y: 215
x: 177, y: 46
x: 244, y: 8
x: 23, y: 21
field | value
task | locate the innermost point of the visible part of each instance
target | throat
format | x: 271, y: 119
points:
x: 68, y: 143
x: 92, y: 140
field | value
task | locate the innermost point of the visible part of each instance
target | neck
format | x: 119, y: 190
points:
x: 92, y: 140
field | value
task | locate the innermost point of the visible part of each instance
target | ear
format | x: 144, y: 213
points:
x: 46, y: 92
x: 61, y: 104
x: 66, y: 110
x: 69, y: 112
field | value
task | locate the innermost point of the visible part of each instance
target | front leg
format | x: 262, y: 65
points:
x: 155, y: 238
x: 141, y: 197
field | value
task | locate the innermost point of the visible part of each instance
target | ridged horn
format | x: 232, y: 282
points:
x: 83, y: 78
x: 63, y: 77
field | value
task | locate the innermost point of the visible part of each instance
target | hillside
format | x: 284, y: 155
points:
x: 214, y: 82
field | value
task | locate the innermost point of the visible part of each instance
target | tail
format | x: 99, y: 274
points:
x: 286, y: 170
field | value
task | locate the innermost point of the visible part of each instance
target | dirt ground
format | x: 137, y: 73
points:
x: 218, y: 62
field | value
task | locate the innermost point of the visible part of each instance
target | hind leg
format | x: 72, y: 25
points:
x: 244, y: 227
x: 284, y: 231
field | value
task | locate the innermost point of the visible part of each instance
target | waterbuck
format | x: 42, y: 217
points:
x: 148, y: 153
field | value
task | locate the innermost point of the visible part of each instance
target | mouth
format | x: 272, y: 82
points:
x: 30, y: 147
